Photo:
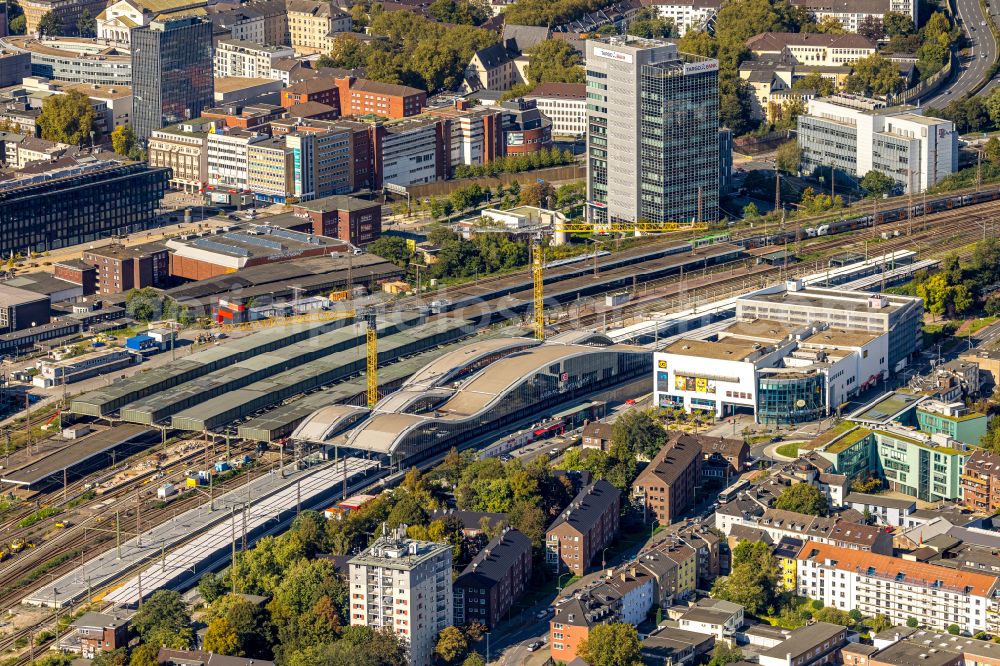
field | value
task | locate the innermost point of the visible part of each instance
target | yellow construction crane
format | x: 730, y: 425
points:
x: 537, y: 263
x: 371, y: 338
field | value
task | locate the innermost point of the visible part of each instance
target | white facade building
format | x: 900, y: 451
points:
x: 934, y: 595
x: 404, y: 586
x: 409, y: 153
x: 858, y: 135
x: 691, y: 15
x: 565, y: 104
x: 236, y: 58
x: 766, y: 366
x: 851, y: 13
x: 883, y: 510
x: 228, y: 164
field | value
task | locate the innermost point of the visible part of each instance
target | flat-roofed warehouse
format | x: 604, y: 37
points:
x: 210, y: 255
x: 230, y: 407
x: 107, y: 401
x: 22, y: 308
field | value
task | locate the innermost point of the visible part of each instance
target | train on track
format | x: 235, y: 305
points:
x: 896, y: 213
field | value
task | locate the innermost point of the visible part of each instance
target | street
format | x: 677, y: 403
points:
x: 972, y: 68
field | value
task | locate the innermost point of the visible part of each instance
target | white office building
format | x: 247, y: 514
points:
x: 248, y: 60
x: 228, y: 161
x: 857, y: 135
x: 404, y: 585
x: 565, y: 104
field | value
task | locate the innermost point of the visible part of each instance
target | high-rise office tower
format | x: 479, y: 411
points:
x: 171, y: 73
x: 653, y: 132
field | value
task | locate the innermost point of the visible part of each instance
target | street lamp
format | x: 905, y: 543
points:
x: 603, y: 553
x: 559, y: 585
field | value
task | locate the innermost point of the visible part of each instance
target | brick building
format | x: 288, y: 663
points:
x: 981, y: 482
x: 320, y: 89
x: 361, y: 97
x: 122, y: 268
x: 101, y: 632
x: 666, y: 487
x: 494, y: 580
x: 348, y: 218
x: 78, y: 272
x: 584, y: 528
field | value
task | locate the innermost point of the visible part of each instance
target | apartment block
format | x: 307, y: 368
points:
x: 588, y: 525
x: 981, y: 482
x: 689, y: 14
x: 857, y: 135
x: 404, y: 586
x: 101, y: 632
x: 183, y: 148
x: 852, y: 13
x: 121, y: 268
x: 313, y: 25
x: 666, y: 487
x: 238, y: 58
x: 935, y: 596
x: 494, y: 580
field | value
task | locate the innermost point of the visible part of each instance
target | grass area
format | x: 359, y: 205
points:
x: 788, y: 450
x: 39, y: 516
x: 849, y: 440
x: 758, y: 439
x: 979, y: 324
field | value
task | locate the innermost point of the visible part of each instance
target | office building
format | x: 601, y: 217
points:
x: 122, y: 268
x: 857, y: 135
x: 652, y: 141
x: 584, y: 528
x: 403, y: 586
x: 565, y: 104
x: 407, y: 152
x: 981, y: 482
x: 75, y: 59
x: 15, y: 66
x: 799, y: 305
x: 725, y: 160
x: 494, y: 580
x: 361, y: 97
x: 74, y: 203
x: 666, y: 487
x: 237, y: 58
x: 68, y: 371
x: 228, y: 161
x: 171, y: 72
x: 183, y: 148
x: 526, y: 129
x: 471, y: 135
x: 936, y: 596
x: 270, y: 170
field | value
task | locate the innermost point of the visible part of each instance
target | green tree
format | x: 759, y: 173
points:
x: 833, y: 615
x: 912, y: 622
x: 874, y: 75
x: 725, y: 654
x: 451, y: 645
x: 991, y: 151
x: 830, y: 25
x: 112, y: 658
x: 50, y: 25
x: 16, y: 23
x: 143, y: 304
x: 954, y: 629
x: 815, y: 81
x: 897, y: 24
x: 347, y: 52
x: 753, y: 577
x: 392, y: 248
x: 221, y: 638
x: 55, y: 659
x: 163, y: 614
x: 554, y: 60
x: 474, y: 659
x: 145, y: 655
x: 871, y: 28
x: 612, y: 644
x: 787, y: 157
x: 879, y: 623
x: 638, y: 431
x: 750, y: 211
x: 123, y: 140
x: 86, y: 25
x: 459, y: 12
x: 648, y: 23
x: 877, y: 183
x: 211, y: 586
x: 67, y: 118
x: 803, y: 498
x: 537, y: 194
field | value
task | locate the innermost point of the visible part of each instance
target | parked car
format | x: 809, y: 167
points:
x: 532, y: 647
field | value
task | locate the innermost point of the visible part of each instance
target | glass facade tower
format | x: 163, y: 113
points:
x: 653, y: 132
x: 171, y: 73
